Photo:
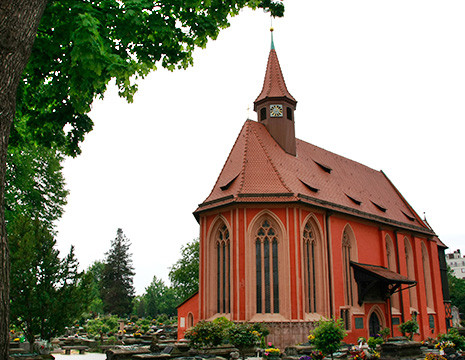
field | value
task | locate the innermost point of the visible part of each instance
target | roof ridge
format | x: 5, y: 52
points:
x: 244, y: 156
x: 339, y: 156
x: 271, y: 161
x: 281, y: 81
x: 226, y: 162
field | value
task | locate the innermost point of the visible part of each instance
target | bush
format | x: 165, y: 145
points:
x: 103, y: 325
x: 453, y: 336
x: 243, y: 336
x: 263, y: 332
x: 385, y: 333
x: 374, y: 341
x: 409, y: 328
x: 206, y: 334
x: 328, y: 335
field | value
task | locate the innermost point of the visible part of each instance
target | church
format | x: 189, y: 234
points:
x: 292, y: 233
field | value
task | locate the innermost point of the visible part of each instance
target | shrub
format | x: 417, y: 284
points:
x: 454, y: 337
x: 384, y: 333
x: 263, y: 332
x: 374, y: 341
x: 328, y: 336
x: 409, y: 328
x: 205, y: 334
x: 243, y: 336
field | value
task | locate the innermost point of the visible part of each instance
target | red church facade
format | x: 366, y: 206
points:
x: 292, y: 233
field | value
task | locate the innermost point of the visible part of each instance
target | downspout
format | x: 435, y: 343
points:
x: 328, y: 242
x: 400, y: 289
x: 390, y: 315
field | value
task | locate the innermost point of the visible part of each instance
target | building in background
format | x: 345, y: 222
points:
x: 457, y: 263
x: 292, y: 233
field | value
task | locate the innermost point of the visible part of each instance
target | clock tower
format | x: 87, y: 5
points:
x: 275, y: 106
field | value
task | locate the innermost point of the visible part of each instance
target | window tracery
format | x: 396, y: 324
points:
x: 310, y: 266
x: 223, y: 283
x: 266, y: 263
x: 347, y: 273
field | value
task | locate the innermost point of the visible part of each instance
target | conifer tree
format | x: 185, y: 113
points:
x: 117, y: 290
x: 47, y: 293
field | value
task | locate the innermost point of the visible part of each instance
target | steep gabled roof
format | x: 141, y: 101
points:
x: 259, y: 170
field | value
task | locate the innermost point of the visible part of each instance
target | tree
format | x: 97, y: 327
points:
x: 80, y: 46
x: 138, y: 306
x: 117, y: 290
x: 159, y: 299
x: 184, y: 274
x: 35, y: 185
x: 47, y: 293
x: 95, y: 272
x: 457, y: 291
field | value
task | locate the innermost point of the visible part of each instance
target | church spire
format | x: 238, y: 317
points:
x: 275, y: 105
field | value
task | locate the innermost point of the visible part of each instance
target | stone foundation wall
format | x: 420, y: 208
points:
x: 284, y: 334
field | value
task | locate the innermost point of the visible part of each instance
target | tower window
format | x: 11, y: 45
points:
x: 263, y: 114
x: 289, y: 113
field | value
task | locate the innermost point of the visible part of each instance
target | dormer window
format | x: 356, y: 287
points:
x: 263, y: 114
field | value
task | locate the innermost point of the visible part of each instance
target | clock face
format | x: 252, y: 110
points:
x: 276, y: 110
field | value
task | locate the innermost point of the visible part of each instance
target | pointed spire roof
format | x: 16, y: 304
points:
x: 274, y: 85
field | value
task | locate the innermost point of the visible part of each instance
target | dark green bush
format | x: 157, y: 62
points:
x: 328, y: 336
x: 409, y: 328
x: 206, y: 334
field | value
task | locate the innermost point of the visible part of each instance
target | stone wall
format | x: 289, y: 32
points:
x: 284, y: 334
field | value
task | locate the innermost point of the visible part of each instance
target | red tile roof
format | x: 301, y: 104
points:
x: 274, y: 85
x: 259, y: 170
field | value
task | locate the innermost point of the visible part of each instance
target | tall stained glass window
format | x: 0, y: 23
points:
x: 266, y: 263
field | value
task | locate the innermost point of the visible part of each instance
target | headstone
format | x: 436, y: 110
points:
x: 455, y: 316
x: 167, y: 350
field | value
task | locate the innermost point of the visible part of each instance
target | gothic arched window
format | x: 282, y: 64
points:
x: 427, y: 277
x: 392, y: 265
x: 223, y: 283
x: 347, y: 273
x: 266, y: 263
x: 310, y: 266
x: 410, y: 273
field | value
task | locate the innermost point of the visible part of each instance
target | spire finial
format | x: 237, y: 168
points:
x: 272, y: 42
x: 271, y: 30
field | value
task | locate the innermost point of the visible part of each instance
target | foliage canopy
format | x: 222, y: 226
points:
x: 47, y: 293
x: 184, y: 274
x: 81, y: 45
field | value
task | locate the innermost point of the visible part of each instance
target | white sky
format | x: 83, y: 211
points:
x: 379, y: 82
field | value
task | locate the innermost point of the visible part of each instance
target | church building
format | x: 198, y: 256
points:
x: 292, y: 233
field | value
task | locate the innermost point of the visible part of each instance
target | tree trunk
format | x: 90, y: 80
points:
x: 19, y: 20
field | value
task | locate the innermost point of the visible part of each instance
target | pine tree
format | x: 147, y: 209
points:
x: 117, y: 290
